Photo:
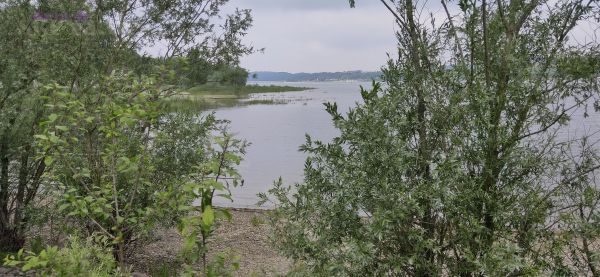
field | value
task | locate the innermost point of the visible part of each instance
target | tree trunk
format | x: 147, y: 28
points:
x: 6, y: 236
x: 11, y: 240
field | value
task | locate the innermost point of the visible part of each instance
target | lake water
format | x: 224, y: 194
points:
x: 276, y: 131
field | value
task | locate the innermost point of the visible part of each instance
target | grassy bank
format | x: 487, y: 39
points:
x: 240, y: 90
x: 205, y: 97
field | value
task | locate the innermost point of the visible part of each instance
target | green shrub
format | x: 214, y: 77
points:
x: 453, y: 166
x: 77, y: 258
x: 257, y: 220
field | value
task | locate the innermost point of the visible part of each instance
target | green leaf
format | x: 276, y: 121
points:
x: 226, y: 214
x: 52, y: 117
x: 48, y: 160
x: 124, y: 165
x: 53, y: 138
x: 42, y: 137
x: 28, y: 266
x: 64, y: 207
x: 208, y: 216
x: 213, y: 184
x: 226, y: 196
x: 232, y: 157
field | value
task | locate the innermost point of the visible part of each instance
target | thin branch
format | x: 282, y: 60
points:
x: 392, y: 11
x: 566, y: 182
x: 453, y: 30
x: 486, y: 58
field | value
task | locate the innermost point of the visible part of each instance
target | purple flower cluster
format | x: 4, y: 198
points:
x: 79, y: 16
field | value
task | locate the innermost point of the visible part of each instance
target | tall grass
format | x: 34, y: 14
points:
x: 211, y: 96
x: 215, y: 89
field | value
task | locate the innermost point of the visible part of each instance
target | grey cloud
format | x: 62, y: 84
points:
x: 304, y: 5
x: 318, y: 35
x: 326, y: 35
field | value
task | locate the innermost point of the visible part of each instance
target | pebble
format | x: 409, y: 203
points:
x: 10, y: 272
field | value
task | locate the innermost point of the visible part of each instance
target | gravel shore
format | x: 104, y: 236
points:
x: 246, y: 235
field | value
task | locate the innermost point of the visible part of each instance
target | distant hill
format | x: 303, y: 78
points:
x: 320, y: 76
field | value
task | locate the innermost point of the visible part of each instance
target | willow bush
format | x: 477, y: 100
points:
x: 453, y: 165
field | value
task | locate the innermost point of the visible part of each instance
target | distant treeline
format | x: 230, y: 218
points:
x: 320, y: 76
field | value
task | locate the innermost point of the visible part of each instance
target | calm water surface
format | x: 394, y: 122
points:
x: 277, y: 131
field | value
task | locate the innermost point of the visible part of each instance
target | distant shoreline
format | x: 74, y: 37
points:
x: 250, y: 82
x: 269, y: 76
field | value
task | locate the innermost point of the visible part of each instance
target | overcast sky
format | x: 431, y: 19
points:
x: 318, y: 35
x: 327, y: 35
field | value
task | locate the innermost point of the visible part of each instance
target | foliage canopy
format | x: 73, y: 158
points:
x: 453, y: 166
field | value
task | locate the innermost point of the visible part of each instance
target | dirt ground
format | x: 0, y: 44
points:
x: 246, y: 236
